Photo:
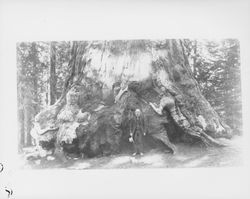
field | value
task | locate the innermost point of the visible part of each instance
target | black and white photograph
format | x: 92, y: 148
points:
x: 129, y: 103
x: 124, y: 99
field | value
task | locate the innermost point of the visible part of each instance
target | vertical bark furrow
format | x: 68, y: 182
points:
x: 168, y: 95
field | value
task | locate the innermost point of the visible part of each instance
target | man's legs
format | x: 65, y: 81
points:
x: 138, y: 144
x: 140, y: 147
x: 135, y: 148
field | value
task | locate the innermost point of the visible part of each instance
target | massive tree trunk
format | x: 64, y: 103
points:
x: 153, y: 76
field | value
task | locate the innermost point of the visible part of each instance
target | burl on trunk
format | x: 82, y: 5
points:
x: 110, y: 80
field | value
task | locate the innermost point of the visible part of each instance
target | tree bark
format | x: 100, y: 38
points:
x: 27, y: 123
x: 52, y: 74
x: 21, y: 129
x: 165, y: 91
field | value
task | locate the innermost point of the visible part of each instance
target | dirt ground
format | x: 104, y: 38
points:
x: 185, y: 157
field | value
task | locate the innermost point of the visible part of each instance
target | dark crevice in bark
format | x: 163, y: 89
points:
x: 173, y: 108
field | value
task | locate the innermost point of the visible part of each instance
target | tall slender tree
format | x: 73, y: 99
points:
x: 166, y: 92
x: 52, y: 74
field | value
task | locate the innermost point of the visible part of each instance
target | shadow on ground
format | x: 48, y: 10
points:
x: 186, y: 157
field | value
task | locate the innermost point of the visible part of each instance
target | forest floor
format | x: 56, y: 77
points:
x: 185, y: 157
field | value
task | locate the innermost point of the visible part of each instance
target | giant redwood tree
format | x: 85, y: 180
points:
x: 109, y: 80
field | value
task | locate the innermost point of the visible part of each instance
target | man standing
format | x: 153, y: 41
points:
x: 137, y: 131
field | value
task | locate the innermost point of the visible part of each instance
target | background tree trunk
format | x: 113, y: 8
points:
x: 158, y: 77
x: 52, y: 74
x: 20, y: 129
x: 27, y: 123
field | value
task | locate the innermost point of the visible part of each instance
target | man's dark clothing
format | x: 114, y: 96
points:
x: 137, y: 128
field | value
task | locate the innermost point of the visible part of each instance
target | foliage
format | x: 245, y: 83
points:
x: 216, y: 67
x: 33, y: 60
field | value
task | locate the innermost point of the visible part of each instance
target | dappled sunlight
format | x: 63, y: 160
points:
x: 83, y: 114
x: 181, y: 158
x: 187, y: 158
x: 152, y: 159
x: 81, y: 165
x: 118, y: 161
x: 196, y: 162
x: 134, y: 67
